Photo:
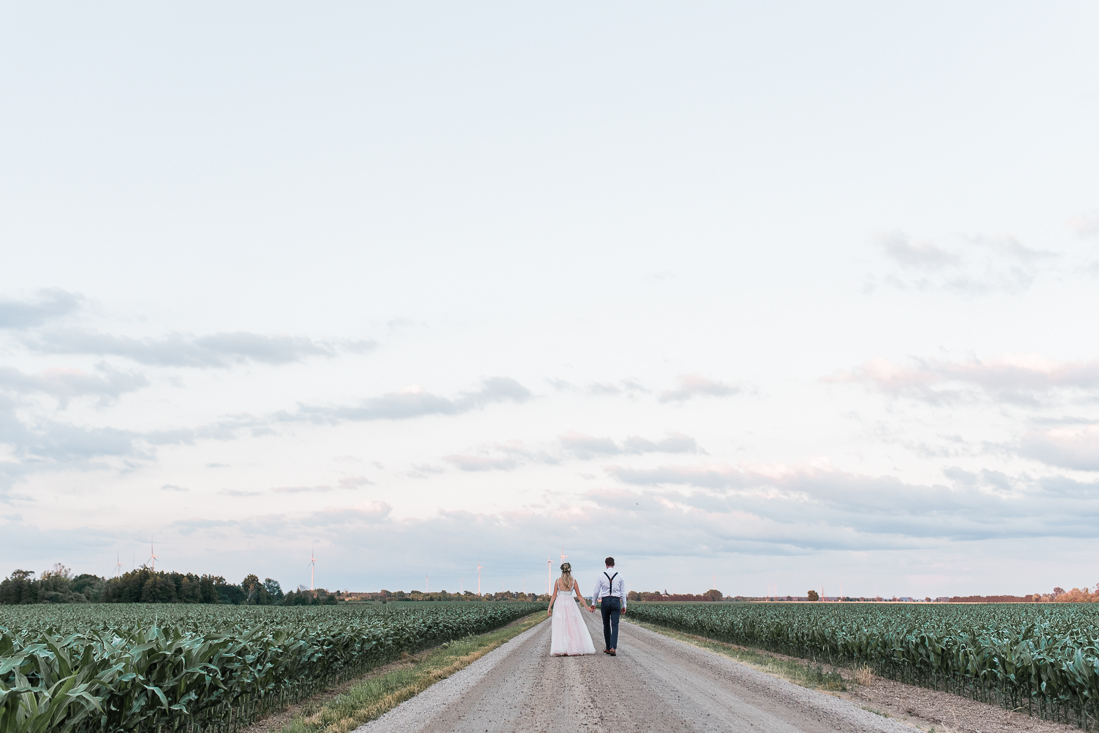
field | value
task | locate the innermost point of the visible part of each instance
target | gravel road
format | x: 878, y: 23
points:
x: 654, y: 684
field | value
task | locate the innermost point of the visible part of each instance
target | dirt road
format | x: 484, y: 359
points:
x: 654, y: 684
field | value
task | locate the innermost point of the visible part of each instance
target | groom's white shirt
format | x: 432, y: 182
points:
x: 603, y: 588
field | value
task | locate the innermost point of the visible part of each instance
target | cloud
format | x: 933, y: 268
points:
x: 424, y: 470
x: 1010, y: 247
x: 52, y: 442
x: 979, y: 265
x: 218, y: 350
x: 587, y: 446
x: 65, y: 384
x: 354, y: 482
x: 919, y: 256
x: 497, y: 457
x: 346, y: 483
x: 366, y: 514
x: 1075, y: 448
x: 481, y: 463
x: 628, y: 386
x: 50, y: 305
x: 696, y: 385
x: 46, y: 445
x: 1016, y: 378
x: 173, y: 487
x: 1085, y: 225
x: 413, y: 402
x: 300, y: 489
x: 975, y: 505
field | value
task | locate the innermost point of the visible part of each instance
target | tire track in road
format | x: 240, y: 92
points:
x: 654, y: 684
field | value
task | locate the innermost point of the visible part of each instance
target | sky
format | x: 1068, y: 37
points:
x: 762, y: 296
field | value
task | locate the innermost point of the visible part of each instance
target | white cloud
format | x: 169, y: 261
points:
x: 919, y: 256
x: 977, y: 265
x: 1065, y: 447
x: 974, y: 506
x: 696, y: 385
x: 587, y: 446
x: 1085, y: 225
x: 67, y: 383
x: 51, y: 304
x: 1017, y: 378
x: 415, y: 402
x: 219, y: 350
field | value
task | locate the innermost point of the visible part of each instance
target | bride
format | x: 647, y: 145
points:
x: 568, y: 633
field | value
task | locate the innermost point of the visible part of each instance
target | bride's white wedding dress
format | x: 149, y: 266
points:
x: 568, y: 633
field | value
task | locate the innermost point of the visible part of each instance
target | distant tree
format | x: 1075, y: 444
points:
x: 207, y: 589
x: 812, y: 595
x: 713, y: 595
x: 234, y: 594
x: 58, y: 571
x: 189, y: 591
x: 88, y: 586
x: 158, y: 589
x: 274, y: 590
x: 19, y: 588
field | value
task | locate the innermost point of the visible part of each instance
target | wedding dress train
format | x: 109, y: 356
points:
x: 568, y: 633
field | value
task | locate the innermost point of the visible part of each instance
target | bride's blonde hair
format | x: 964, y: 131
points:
x: 566, y: 575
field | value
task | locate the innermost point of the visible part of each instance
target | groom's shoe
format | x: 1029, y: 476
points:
x: 612, y: 652
x: 606, y: 651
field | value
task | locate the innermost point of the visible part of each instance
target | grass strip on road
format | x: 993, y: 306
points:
x: 799, y: 672
x: 377, y: 695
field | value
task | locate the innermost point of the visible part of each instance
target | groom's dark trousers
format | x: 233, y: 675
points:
x: 611, y: 608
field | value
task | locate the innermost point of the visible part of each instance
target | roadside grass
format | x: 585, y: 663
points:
x: 799, y: 672
x: 378, y: 694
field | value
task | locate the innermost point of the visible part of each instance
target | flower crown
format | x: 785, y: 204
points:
x: 566, y: 567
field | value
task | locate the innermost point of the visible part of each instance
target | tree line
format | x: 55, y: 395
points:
x: 710, y: 595
x: 143, y: 585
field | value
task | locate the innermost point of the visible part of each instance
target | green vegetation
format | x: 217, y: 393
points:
x: 148, y: 586
x: 77, y: 668
x: 1035, y: 657
x: 377, y: 695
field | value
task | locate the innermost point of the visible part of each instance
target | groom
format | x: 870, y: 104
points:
x: 610, y: 594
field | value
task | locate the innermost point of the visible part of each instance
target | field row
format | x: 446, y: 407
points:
x: 1039, y: 658
x: 193, y: 668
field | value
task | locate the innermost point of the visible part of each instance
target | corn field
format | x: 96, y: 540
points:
x: 200, y: 668
x: 1042, y: 659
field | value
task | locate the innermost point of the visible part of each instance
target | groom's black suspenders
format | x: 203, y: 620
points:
x: 610, y: 585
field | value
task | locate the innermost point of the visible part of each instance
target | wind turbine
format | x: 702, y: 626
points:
x: 478, y: 577
x: 117, y: 565
x: 152, y: 556
x: 427, y: 584
x: 312, y: 567
x: 549, y: 575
